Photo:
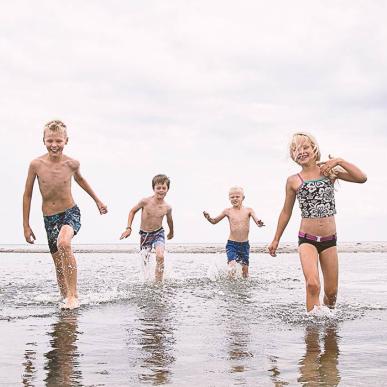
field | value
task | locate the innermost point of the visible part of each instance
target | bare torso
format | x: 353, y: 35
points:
x: 239, y: 220
x: 54, y: 178
x: 152, y: 214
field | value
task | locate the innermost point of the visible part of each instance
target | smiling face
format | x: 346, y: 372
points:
x: 55, y: 142
x: 160, y: 190
x: 236, y: 197
x: 304, y: 149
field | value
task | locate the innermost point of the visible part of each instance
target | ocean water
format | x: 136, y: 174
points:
x: 197, y: 328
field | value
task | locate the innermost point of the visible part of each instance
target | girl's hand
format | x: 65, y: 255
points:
x: 327, y: 166
x: 273, y: 248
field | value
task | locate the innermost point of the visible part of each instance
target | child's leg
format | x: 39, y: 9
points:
x: 330, y: 270
x: 232, y: 268
x: 69, y: 265
x: 60, y: 277
x: 309, y: 262
x: 245, y: 271
x: 159, y: 262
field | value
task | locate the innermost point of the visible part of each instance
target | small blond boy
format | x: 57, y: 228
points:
x: 237, y: 247
x: 153, y: 210
x: 54, y: 172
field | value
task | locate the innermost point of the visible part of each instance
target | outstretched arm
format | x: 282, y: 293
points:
x: 86, y: 187
x: 170, y: 223
x: 215, y: 220
x: 132, y: 212
x: 257, y: 221
x: 284, y: 217
x: 27, y: 196
x: 349, y: 172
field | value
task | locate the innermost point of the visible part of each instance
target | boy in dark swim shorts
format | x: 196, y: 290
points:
x: 153, y: 210
x: 54, y: 171
x: 237, y: 247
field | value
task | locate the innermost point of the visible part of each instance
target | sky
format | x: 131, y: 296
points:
x: 207, y: 92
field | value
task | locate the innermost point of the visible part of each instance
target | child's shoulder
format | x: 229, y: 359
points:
x: 293, y: 181
x: 72, y: 163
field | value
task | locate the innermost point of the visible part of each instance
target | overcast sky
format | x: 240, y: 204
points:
x: 207, y: 92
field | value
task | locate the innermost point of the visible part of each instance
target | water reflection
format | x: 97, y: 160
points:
x: 155, y: 336
x: 237, y: 298
x: 29, y: 367
x: 63, y: 360
x: 319, y: 365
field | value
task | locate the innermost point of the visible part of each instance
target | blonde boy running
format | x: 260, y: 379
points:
x: 153, y: 210
x: 54, y: 171
x: 238, y: 247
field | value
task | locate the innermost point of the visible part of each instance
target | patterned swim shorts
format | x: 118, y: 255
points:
x: 152, y: 238
x: 53, y: 224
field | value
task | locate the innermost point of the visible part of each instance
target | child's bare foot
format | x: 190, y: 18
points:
x: 71, y: 303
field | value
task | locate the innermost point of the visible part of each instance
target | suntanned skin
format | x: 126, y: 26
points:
x: 239, y: 222
x: 54, y: 172
x: 153, y: 210
x: 311, y: 169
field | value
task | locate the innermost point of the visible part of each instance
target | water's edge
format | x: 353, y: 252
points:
x: 214, y: 248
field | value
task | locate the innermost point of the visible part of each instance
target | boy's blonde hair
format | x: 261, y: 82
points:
x: 236, y: 189
x: 160, y: 179
x: 55, y: 126
x: 298, y: 140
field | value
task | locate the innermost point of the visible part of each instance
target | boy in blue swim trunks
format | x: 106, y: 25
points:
x: 62, y: 218
x: 237, y: 247
x: 153, y: 210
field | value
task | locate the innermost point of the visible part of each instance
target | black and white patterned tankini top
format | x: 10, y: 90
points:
x: 316, y: 198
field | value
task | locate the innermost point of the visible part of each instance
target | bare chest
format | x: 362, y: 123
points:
x: 54, y: 176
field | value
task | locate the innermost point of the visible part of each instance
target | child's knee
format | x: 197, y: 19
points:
x: 313, y: 285
x: 63, y: 244
x: 160, y: 259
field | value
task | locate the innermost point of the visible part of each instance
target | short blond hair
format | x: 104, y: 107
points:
x: 55, y: 126
x: 236, y: 188
x: 298, y: 139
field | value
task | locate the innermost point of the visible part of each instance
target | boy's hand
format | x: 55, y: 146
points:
x: 29, y: 235
x: 170, y: 235
x: 206, y: 215
x: 273, y: 248
x: 102, y: 208
x: 126, y: 233
x: 259, y: 223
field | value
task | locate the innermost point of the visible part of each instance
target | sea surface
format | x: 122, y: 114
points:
x: 197, y: 328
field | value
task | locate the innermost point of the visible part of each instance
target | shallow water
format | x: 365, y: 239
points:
x: 197, y: 328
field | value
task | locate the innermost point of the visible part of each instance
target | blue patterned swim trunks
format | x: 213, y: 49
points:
x: 151, y: 239
x: 53, y: 224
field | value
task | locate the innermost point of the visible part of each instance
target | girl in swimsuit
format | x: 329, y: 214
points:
x: 314, y: 189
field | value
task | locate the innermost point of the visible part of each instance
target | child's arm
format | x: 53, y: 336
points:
x: 217, y: 219
x: 27, y: 196
x: 132, y: 212
x: 170, y: 223
x: 284, y: 217
x: 81, y: 181
x: 349, y: 173
x: 257, y: 221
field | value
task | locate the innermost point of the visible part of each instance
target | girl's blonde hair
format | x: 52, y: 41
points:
x: 55, y: 126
